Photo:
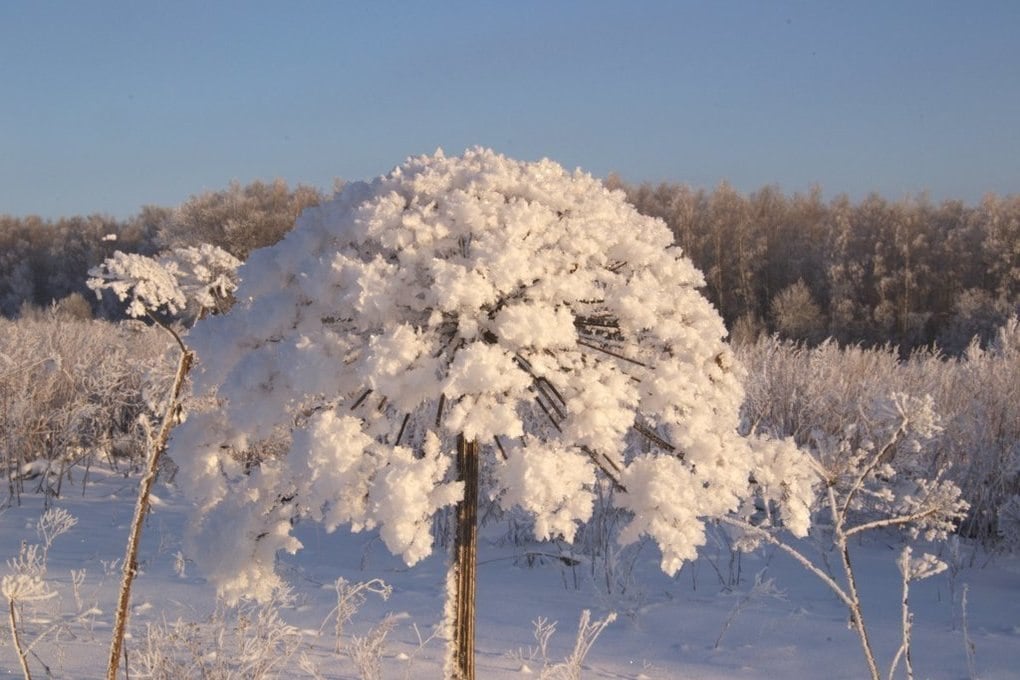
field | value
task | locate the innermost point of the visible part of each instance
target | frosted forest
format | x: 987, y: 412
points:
x: 479, y: 417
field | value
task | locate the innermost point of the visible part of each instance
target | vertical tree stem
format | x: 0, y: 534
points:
x: 130, y: 568
x: 466, y: 561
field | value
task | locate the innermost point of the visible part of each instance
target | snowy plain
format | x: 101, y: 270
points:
x: 701, y: 623
x: 267, y: 371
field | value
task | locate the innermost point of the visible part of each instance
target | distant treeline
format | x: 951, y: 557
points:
x: 44, y: 263
x: 908, y: 273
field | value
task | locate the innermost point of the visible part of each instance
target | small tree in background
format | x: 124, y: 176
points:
x: 461, y: 319
x: 797, y: 315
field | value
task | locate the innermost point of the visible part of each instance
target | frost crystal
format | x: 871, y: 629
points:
x: 523, y: 306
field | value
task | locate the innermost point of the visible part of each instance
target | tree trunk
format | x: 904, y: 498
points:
x: 465, y: 565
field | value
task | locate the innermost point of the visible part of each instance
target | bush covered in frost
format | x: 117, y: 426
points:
x: 72, y: 390
x: 830, y: 393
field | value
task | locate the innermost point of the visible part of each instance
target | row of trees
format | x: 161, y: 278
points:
x: 910, y: 272
x: 44, y: 262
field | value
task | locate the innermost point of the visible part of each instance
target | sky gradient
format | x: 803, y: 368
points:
x: 109, y: 106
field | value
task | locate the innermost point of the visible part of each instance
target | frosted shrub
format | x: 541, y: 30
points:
x: 867, y: 481
x: 71, y: 391
x: 828, y: 394
x: 983, y: 402
x: 528, y: 311
x: 1009, y: 523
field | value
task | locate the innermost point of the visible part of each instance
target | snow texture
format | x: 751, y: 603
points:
x: 526, y: 307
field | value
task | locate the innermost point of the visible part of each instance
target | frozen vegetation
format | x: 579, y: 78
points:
x: 696, y: 511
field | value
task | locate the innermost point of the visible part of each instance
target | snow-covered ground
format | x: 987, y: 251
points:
x: 696, y: 625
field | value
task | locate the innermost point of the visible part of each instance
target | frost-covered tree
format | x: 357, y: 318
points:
x: 797, y: 315
x: 238, y: 219
x: 465, y: 317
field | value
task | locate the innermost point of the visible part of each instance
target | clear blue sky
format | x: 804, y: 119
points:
x: 108, y: 106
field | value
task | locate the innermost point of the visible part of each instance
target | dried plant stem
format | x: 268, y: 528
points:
x: 465, y: 564
x: 840, y: 539
x: 22, y: 656
x: 848, y: 595
x: 968, y: 644
x: 156, y: 449
x: 906, y: 621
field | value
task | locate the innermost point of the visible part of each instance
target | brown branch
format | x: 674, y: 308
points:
x: 360, y: 399
x: 612, y: 353
x: 559, y: 412
x: 499, y: 445
x: 596, y: 321
x: 548, y: 414
x: 439, y: 411
x: 403, y: 425
x: 613, y: 476
x: 656, y: 439
x: 539, y: 381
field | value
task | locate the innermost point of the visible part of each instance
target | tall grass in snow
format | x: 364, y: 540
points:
x: 71, y: 390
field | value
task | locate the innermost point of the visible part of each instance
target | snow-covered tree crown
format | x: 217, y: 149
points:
x: 525, y: 307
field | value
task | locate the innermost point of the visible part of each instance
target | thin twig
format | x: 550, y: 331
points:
x: 403, y: 425
x: 360, y: 399
x: 655, y: 438
x: 22, y: 657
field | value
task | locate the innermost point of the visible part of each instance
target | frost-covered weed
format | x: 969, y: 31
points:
x: 763, y: 587
x: 867, y: 480
x: 248, y: 642
x: 197, y: 279
x: 33, y: 603
x: 459, y: 319
x: 349, y: 599
x: 828, y: 394
x: 187, y: 281
x: 255, y: 641
x: 572, y: 666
